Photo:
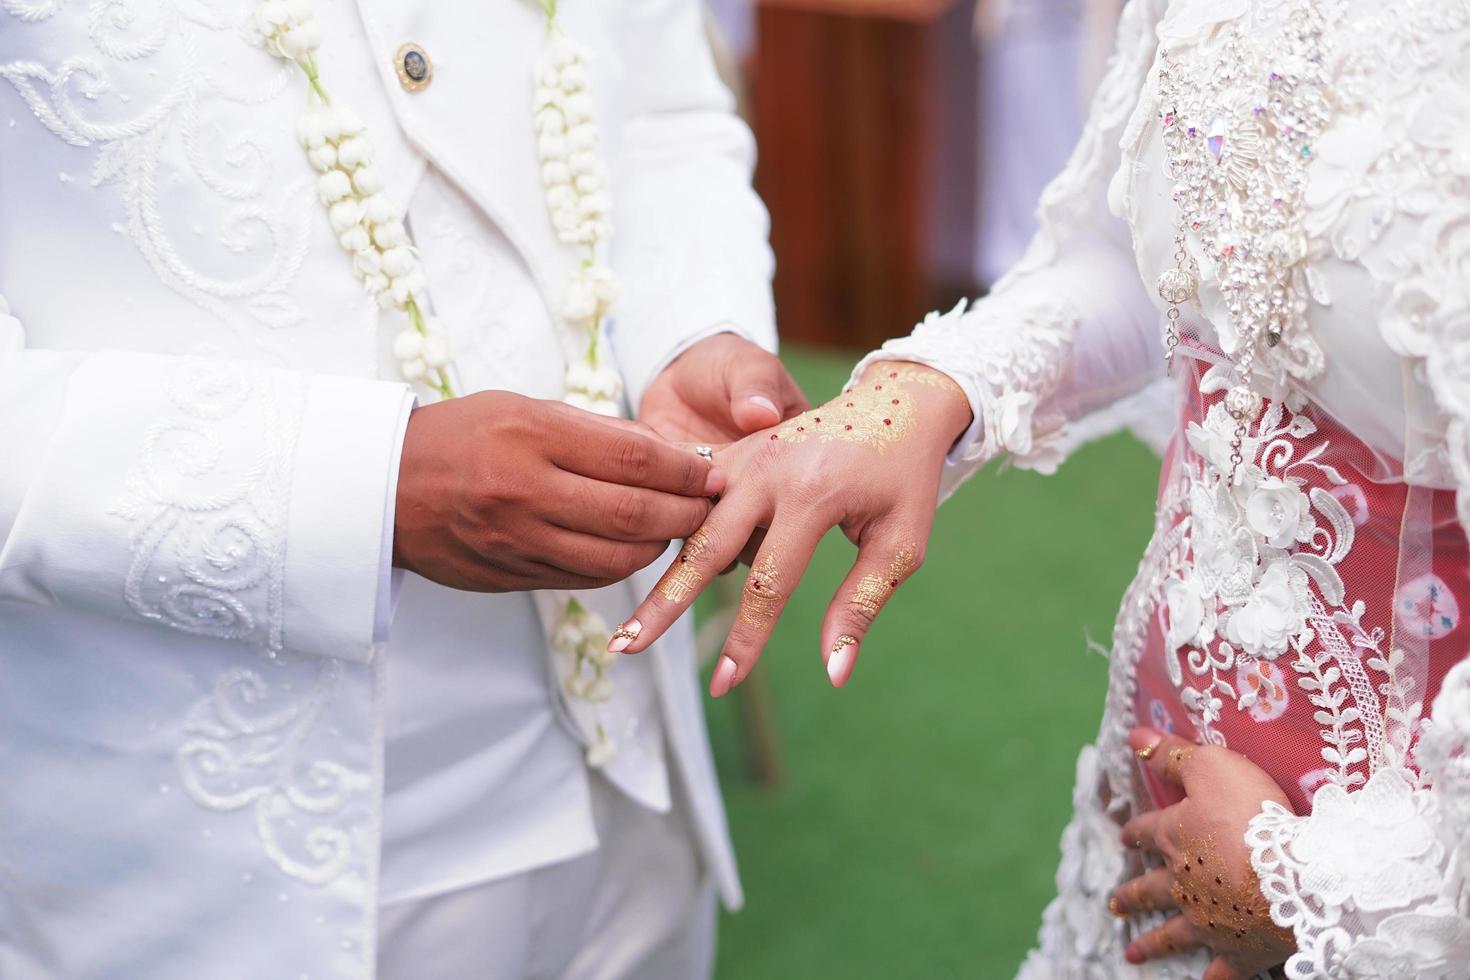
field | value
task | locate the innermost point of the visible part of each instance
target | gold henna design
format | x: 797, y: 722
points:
x: 682, y: 579
x: 874, y: 590
x: 878, y: 412
x: 762, y: 599
x: 1230, y: 907
x: 1174, y: 764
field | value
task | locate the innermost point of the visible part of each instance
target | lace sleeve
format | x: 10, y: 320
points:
x: 1374, y: 883
x: 1070, y: 329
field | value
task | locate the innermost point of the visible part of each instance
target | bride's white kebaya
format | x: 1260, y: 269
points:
x: 1272, y: 199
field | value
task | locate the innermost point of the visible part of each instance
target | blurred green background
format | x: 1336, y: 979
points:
x: 915, y: 834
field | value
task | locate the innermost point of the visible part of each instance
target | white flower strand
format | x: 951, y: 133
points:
x: 581, y: 637
x: 350, y: 187
x: 371, y: 230
x: 580, y: 208
x: 578, y: 203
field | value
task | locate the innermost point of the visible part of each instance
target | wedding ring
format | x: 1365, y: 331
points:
x: 705, y: 453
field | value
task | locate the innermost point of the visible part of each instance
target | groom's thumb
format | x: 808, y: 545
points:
x: 762, y: 393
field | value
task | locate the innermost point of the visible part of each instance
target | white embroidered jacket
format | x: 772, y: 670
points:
x: 199, y: 426
x: 1246, y: 583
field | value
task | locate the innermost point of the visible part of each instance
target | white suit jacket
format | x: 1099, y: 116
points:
x: 199, y: 428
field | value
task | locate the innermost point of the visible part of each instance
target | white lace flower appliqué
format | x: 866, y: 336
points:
x: 1375, y: 848
x: 1256, y: 580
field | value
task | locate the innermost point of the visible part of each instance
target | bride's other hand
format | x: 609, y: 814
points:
x: 868, y: 461
x: 1206, y: 885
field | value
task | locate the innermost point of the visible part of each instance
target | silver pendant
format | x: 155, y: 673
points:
x: 1177, y: 286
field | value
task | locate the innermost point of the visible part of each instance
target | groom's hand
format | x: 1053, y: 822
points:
x: 502, y: 493
x: 719, y: 391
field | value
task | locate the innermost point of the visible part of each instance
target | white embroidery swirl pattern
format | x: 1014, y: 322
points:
x: 208, y: 546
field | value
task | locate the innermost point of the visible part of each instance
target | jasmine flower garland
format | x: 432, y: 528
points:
x: 370, y: 228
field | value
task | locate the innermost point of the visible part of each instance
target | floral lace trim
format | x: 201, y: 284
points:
x: 1012, y: 362
x: 1372, y: 882
x: 1011, y: 351
x: 1361, y: 882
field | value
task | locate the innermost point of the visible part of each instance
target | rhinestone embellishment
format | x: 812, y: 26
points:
x: 1233, y: 143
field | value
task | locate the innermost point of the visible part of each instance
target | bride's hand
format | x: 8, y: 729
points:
x: 867, y: 461
x: 1206, y: 885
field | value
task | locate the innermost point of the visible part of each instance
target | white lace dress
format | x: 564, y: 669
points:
x: 1304, y: 606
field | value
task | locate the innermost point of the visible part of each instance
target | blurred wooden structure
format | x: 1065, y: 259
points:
x: 846, y: 102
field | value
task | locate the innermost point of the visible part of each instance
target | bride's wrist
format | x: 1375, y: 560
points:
x: 938, y: 400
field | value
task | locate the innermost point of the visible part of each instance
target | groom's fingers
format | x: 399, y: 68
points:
x: 590, y: 447
x: 704, y: 555
x: 886, y: 559
x: 778, y: 567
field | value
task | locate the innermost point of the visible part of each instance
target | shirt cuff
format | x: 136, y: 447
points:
x: 390, y: 579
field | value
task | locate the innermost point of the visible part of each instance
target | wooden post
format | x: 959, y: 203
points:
x: 843, y: 110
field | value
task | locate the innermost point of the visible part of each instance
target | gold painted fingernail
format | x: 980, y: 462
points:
x: 841, y: 659
x: 624, y: 635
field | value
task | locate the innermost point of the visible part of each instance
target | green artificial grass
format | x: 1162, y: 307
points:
x: 916, y: 833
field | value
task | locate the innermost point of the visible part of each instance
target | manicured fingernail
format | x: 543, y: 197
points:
x: 761, y: 401
x: 1135, y: 956
x: 724, y: 678
x: 1146, y: 752
x: 624, y: 636
x: 840, y: 661
x: 1116, y: 907
x: 715, y: 482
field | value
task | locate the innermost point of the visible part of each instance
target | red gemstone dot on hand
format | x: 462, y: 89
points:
x: 877, y: 387
x: 801, y: 428
x: 817, y: 420
x: 893, y: 374
x: 893, y: 583
x: 774, y: 437
x: 895, y: 401
x: 849, y: 404
x: 888, y: 421
x: 848, y: 428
